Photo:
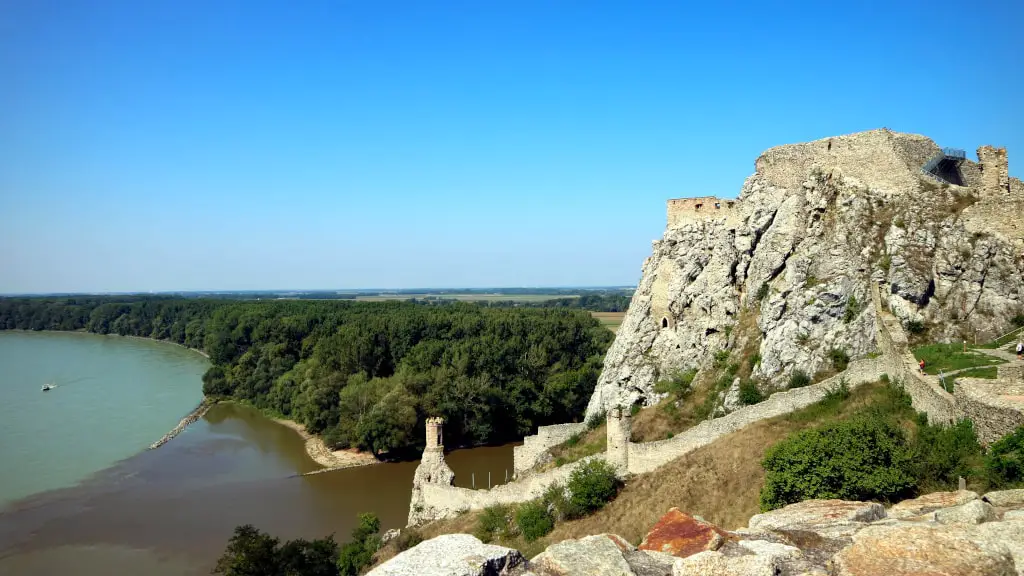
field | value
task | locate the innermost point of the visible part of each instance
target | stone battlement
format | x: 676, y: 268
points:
x: 683, y: 210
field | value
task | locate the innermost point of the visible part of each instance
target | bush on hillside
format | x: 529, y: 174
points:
x: 944, y: 453
x: 1004, y: 463
x: 840, y: 359
x: 591, y: 486
x: 533, y: 520
x: 750, y: 393
x: 1017, y: 320
x: 252, y: 551
x: 799, y: 379
x: 492, y: 523
x: 862, y: 459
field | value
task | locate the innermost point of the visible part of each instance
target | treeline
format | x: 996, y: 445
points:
x: 364, y: 374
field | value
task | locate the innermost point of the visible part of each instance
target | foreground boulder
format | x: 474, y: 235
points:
x: 930, y: 503
x: 825, y: 517
x: 682, y: 535
x: 451, y: 555
x: 1006, y: 498
x: 922, y: 550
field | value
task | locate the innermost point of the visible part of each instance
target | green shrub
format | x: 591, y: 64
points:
x: 944, y: 453
x: 358, y: 553
x: 591, y: 486
x: 799, y: 379
x: 749, y: 393
x: 1004, y: 463
x: 762, y: 291
x: 914, y: 326
x: 853, y: 309
x: 678, y: 384
x: 573, y: 440
x: 533, y: 520
x: 840, y: 359
x: 557, y: 501
x: 721, y: 357
x: 493, y: 522
x: 595, y: 423
x: 1017, y: 320
x: 407, y: 538
x: 837, y: 393
x: 866, y: 458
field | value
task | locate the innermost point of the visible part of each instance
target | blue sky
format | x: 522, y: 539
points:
x: 341, y: 144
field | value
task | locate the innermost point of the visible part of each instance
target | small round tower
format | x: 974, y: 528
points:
x: 435, y: 442
x: 619, y: 432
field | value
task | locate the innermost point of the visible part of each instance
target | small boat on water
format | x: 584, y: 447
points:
x: 48, y: 387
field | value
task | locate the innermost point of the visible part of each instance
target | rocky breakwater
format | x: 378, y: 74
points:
x: 192, y: 416
x: 785, y: 269
x: 948, y: 533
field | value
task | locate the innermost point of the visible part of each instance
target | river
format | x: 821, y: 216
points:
x: 167, y: 511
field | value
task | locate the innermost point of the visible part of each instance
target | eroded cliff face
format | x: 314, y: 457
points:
x: 786, y: 268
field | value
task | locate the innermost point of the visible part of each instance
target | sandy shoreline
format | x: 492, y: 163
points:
x: 318, y: 451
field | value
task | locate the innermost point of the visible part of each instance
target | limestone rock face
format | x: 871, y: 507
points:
x: 1006, y: 498
x: 973, y: 512
x: 785, y: 268
x: 721, y: 565
x: 916, y: 550
x: 451, y: 555
x: 432, y: 470
x: 682, y: 535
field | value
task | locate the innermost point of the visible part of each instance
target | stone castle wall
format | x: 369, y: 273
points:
x: 647, y: 456
x: 880, y: 159
x: 993, y: 416
x: 536, y: 447
x: 685, y: 210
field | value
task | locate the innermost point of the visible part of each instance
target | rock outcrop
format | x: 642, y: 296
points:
x: 451, y: 555
x: 950, y: 533
x: 785, y: 268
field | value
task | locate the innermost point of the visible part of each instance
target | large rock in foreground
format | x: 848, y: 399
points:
x: 451, y: 555
x: 682, y: 535
x: 920, y: 551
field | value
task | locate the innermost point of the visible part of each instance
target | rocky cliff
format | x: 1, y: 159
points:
x: 784, y: 269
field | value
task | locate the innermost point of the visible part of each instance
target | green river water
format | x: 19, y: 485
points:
x: 80, y: 494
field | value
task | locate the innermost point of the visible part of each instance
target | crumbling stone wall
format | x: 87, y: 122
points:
x: 880, y: 159
x: 535, y: 448
x: 647, y: 456
x: 995, y: 175
x: 619, y: 431
x: 682, y: 210
x: 993, y: 416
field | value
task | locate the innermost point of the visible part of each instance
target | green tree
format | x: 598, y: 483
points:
x: 591, y: 486
x: 358, y: 553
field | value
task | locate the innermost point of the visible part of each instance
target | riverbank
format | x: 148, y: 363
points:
x: 324, y: 456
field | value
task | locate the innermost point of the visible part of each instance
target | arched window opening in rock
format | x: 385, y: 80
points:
x: 697, y: 206
x: 664, y: 322
x: 718, y: 205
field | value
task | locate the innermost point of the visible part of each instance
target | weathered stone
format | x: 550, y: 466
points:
x: 920, y: 550
x: 930, y: 503
x: 601, y: 555
x: 1013, y: 515
x: 390, y: 535
x: 1007, y: 533
x: 650, y: 563
x: 973, y: 512
x: 682, y: 535
x: 451, y: 555
x: 828, y: 517
x: 707, y: 563
x: 1006, y: 498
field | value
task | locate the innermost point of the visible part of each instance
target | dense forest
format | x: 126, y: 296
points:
x: 364, y: 374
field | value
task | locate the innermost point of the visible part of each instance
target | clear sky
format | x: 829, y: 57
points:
x: 184, y: 145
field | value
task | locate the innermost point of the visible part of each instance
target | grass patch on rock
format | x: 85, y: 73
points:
x: 950, y: 357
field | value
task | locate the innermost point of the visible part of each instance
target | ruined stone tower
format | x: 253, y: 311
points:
x: 432, y: 470
x: 619, y: 432
x: 995, y: 170
x: 435, y: 442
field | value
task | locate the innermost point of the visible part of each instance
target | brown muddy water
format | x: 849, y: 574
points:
x: 172, y: 510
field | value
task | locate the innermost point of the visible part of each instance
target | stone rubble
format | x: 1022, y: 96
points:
x: 944, y: 533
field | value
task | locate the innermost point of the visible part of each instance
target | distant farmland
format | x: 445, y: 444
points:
x: 611, y: 320
x: 495, y: 297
